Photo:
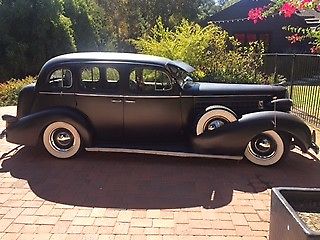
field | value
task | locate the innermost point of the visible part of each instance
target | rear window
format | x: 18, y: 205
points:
x: 60, y: 78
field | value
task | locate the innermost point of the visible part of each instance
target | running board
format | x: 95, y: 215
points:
x: 164, y: 153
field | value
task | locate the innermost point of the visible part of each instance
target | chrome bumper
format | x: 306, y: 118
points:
x: 3, y: 134
x: 314, y: 146
x: 9, y: 120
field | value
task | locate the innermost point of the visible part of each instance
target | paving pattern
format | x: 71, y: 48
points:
x: 135, y: 196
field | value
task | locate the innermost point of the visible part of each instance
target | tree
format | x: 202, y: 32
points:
x: 33, y: 31
x: 214, y: 54
x: 130, y: 19
x: 288, y: 8
x: 88, y: 24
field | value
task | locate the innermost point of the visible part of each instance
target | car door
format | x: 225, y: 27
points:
x: 152, y: 109
x: 57, y: 89
x: 100, y: 98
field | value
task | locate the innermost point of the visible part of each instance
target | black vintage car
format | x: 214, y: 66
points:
x: 149, y: 104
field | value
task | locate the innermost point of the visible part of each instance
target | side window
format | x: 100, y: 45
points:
x: 148, y: 80
x: 113, y: 75
x: 90, y: 74
x: 99, y: 79
x: 61, y: 78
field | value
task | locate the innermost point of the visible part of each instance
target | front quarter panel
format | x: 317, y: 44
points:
x: 233, y: 138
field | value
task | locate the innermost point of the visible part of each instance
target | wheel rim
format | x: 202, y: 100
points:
x: 62, y: 140
x: 214, y: 124
x: 263, y: 146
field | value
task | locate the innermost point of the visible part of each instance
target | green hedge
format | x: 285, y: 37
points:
x: 9, y: 91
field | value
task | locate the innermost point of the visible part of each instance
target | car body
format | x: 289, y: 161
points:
x: 135, y: 102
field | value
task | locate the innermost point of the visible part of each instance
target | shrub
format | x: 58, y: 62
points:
x: 9, y: 91
x: 216, y: 56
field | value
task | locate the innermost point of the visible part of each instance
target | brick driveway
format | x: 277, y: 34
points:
x: 131, y: 196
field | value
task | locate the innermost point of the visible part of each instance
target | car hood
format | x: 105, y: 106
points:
x: 203, y: 88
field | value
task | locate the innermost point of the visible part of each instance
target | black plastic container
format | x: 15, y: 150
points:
x: 285, y: 223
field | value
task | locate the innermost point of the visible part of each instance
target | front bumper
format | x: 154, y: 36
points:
x: 314, y: 146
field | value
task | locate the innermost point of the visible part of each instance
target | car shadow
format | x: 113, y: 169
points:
x: 138, y: 181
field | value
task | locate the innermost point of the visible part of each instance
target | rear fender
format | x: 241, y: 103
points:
x: 27, y: 130
x: 233, y: 138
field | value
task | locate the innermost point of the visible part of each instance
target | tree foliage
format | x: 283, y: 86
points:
x: 215, y: 55
x: 130, y: 19
x: 33, y: 31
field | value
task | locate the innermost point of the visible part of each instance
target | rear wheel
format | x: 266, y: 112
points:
x: 266, y: 148
x: 61, y: 140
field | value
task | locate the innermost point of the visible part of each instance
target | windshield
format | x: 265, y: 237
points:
x: 181, y: 76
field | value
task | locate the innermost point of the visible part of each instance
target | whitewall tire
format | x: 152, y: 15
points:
x: 266, y: 149
x: 214, y: 119
x: 61, y: 140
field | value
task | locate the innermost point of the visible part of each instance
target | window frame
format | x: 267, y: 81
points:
x: 111, y: 91
x: 87, y: 68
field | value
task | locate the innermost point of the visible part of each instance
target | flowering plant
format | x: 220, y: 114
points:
x: 288, y: 8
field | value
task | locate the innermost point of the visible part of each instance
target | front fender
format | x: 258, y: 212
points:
x: 233, y: 138
x: 27, y: 130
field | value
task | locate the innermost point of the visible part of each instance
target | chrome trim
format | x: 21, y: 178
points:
x: 142, y: 96
x: 116, y: 101
x: 218, y: 96
x: 133, y: 96
x: 130, y: 101
x: 97, y: 95
x: 56, y: 93
x: 163, y: 153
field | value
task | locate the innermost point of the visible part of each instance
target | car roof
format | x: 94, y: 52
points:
x: 117, y: 57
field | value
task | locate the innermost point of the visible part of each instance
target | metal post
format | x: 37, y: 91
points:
x: 275, y: 72
x: 292, y: 75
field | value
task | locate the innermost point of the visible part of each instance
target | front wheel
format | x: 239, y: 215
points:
x: 266, y: 148
x: 61, y: 140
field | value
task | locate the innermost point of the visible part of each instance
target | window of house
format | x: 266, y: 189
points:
x: 60, y: 78
x: 246, y: 38
x: 148, y: 80
x: 252, y: 37
x: 241, y: 37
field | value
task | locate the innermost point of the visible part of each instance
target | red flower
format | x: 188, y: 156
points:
x: 315, y: 49
x: 255, y: 15
x: 295, y: 38
x: 318, y: 8
x: 288, y: 10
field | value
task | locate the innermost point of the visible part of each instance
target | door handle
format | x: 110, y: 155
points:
x: 130, y: 101
x: 116, y: 101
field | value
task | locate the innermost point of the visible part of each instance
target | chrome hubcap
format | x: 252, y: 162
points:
x: 263, y: 146
x: 61, y: 139
x: 215, y: 124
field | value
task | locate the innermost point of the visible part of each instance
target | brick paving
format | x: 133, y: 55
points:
x: 131, y: 196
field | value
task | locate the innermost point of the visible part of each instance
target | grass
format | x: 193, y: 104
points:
x: 306, y: 99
